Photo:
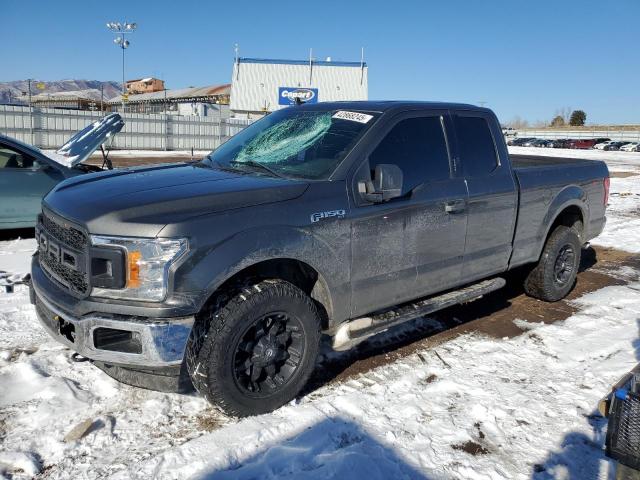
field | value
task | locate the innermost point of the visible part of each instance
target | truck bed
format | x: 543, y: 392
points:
x: 547, y: 185
x: 529, y: 161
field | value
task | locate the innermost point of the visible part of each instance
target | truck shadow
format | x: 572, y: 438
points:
x: 491, y: 315
x: 580, y: 455
x: 332, y: 448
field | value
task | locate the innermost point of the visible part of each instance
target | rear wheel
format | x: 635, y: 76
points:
x: 555, y: 274
x: 259, y: 349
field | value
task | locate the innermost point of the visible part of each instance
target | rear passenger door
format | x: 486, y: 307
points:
x: 413, y: 245
x: 493, y: 195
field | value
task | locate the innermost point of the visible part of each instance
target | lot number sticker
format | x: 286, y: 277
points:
x: 353, y: 116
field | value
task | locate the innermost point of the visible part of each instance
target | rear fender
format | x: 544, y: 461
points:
x: 571, y: 196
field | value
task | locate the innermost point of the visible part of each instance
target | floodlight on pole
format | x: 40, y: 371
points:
x: 122, y: 29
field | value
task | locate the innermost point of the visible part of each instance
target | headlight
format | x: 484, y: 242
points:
x: 147, y: 263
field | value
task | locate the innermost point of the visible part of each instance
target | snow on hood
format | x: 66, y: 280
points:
x: 80, y: 147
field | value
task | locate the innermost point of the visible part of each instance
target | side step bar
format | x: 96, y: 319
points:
x: 355, y: 331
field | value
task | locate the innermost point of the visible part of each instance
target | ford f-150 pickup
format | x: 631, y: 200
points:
x: 338, y: 219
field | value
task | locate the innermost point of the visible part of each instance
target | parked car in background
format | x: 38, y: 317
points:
x: 530, y: 142
x: 562, y: 143
x: 615, y: 146
x: 540, y: 142
x: 584, y: 143
x: 519, y: 142
x: 27, y: 173
x: 630, y: 147
x: 602, y: 145
x: 602, y: 140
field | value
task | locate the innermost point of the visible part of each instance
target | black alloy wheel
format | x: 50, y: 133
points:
x: 268, y: 354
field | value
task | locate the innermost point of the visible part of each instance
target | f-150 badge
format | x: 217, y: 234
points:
x: 316, y: 217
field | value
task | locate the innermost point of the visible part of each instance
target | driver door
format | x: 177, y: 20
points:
x: 413, y: 245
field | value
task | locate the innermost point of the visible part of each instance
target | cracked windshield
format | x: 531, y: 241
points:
x: 294, y: 143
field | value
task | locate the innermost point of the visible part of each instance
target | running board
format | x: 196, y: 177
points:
x: 355, y: 331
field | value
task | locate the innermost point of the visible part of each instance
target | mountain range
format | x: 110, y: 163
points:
x: 17, y: 91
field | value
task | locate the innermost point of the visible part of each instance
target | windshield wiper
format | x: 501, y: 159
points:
x: 262, y: 166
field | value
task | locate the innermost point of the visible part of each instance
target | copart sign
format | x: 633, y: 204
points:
x: 288, y: 95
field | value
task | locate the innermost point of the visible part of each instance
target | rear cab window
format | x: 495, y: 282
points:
x: 476, y: 147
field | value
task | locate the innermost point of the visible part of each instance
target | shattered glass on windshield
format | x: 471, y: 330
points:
x: 293, y: 143
x: 286, y: 139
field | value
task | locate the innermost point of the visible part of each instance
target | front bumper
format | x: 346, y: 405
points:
x: 140, y: 341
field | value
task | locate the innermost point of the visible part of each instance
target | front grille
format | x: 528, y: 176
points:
x: 65, y: 234
x: 63, y: 252
x: 69, y: 278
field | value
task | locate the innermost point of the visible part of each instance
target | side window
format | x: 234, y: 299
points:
x: 418, y: 147
x: 475, y: 146
x: 11, y: 158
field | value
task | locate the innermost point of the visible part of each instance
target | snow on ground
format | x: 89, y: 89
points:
x: 471, y: 407
x: 15, y: 255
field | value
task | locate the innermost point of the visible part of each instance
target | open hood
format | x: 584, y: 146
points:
x: 80, y: 147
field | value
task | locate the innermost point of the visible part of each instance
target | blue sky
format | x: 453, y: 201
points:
x: 527, y: 59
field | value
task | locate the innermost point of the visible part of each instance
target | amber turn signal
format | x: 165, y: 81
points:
x: 133, y: 269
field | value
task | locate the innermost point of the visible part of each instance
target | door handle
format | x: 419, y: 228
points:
x: 455, y: 206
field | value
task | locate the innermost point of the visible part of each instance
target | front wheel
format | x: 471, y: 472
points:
x: 555, y: 274
x: 257, y: 351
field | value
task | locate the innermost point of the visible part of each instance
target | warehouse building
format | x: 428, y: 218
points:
x: 71, y: 99
x: 199, y: 101
x: 259, y: 85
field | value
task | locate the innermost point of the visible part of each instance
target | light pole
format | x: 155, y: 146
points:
x: 122, y: 29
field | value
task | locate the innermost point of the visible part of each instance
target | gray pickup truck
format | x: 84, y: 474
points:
x: 341, y: 219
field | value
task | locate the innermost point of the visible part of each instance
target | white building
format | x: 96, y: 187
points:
x: 263, y: 85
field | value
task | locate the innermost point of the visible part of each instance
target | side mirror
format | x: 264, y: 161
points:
x: 386, y: 184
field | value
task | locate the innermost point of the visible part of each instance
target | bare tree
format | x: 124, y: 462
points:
x: 517, y: 123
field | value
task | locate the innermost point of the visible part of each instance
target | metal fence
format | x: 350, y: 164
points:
x: 617, y: 134
x: 50, y: 128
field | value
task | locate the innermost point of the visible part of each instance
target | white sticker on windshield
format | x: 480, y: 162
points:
x: 353, y: 116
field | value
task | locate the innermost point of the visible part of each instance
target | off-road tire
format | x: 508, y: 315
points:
x: 212, y: 347
x: 542, y: 282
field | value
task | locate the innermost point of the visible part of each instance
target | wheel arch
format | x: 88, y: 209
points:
x: 569, y: 208
x: 293, y: 270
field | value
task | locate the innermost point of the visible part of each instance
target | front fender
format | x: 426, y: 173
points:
x: 211, y: 266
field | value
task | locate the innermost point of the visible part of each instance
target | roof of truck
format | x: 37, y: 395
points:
x: 385, y: 105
